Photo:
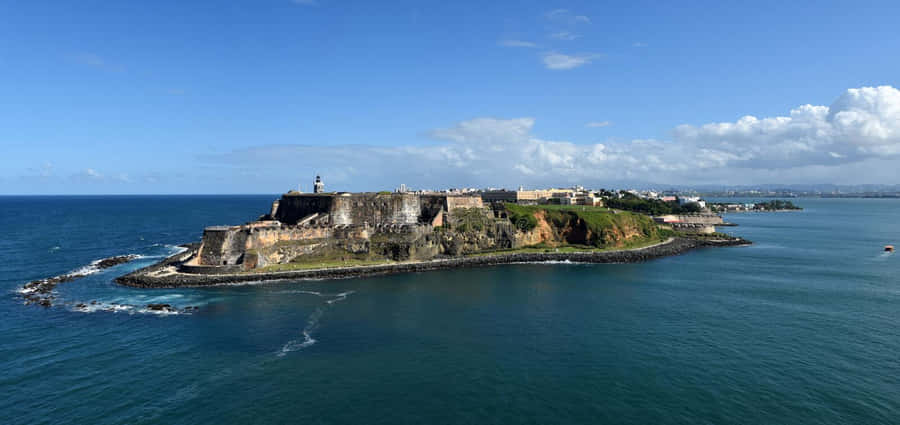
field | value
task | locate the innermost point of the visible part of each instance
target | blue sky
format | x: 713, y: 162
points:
x: 257, y: 96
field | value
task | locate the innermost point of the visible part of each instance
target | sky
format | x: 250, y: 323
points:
x: 258, y: 96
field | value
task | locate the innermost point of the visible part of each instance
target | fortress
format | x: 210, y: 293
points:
x: 338, y: 234
x: 344, y: 226
x: 321, y: 229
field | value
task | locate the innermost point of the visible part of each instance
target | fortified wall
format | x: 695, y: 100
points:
x: 397, y: 226
x: 365, y: 208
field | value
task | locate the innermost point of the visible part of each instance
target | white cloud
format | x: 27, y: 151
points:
x: 638, y: 44
x: 564, y: 35
x: 489, y: 130
x: 559, y: 61
x: 557, y: 13
x: 516, y: 43
x: 565, y: 17
x: 598, y: 124
x: 861, y: 123
x: 860, y: 130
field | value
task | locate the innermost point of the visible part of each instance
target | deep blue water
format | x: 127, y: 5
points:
x: 800, y: 328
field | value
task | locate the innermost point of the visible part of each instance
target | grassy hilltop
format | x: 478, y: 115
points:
x: 586, y: 226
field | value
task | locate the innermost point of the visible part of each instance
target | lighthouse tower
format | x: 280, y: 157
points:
x: 318, y: 186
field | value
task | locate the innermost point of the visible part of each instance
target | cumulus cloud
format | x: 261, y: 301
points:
x: 861, y: 127
x: 598, y: 124
x: 486, y: 130
x: 861, y: 123
x: 559, y: 61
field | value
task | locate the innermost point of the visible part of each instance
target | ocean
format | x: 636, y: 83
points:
x: 799, y: 328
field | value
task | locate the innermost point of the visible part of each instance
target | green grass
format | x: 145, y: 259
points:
x: 565, y: 249
x: 325, y: 264
x: 466, y: 219
x: 599, y: 220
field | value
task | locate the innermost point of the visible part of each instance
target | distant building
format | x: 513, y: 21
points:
x: 691, y: 200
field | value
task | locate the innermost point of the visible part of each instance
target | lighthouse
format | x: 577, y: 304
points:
x: 318, y: 186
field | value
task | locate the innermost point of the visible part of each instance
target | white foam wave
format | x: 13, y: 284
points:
x: 551, y: 262
x: 93, y: 267
x: 312, y: 323
x: 25, y: 291
x: 339, y: 297
x: 159, y: 312
x: 108, y: 307
x: 318, y: 294
x: 114, y: 307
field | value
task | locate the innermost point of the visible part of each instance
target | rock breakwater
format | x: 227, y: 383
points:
x: 40, y: 291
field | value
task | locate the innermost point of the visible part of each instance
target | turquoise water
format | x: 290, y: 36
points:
x: 800, y: 328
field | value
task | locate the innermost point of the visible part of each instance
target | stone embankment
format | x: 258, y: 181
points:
x: 165, y: 275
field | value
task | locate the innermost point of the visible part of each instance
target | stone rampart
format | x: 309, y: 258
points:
x: 357, y: 209
x: 454, y: 202
x: 294, y: 207
x: 222, y: 245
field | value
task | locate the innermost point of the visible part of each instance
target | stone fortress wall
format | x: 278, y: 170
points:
x: 364, y: 208
x: 310, y: 224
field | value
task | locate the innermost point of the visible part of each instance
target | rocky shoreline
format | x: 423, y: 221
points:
x: 40, y: 291
x: 164, y: 274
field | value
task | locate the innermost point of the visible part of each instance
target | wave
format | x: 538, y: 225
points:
x: 552, y: 262
x: 312, y: 323
x: 112, y: 307
x: 339, y: 297
x: 92, y: 268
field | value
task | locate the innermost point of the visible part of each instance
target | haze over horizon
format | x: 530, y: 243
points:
x: 255, y: 97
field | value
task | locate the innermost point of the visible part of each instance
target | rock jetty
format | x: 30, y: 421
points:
x: 40, y: 291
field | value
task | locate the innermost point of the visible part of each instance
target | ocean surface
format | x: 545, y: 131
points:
x: 803, y: 327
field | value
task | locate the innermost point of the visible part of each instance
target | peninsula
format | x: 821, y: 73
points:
x: 341, y: 234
